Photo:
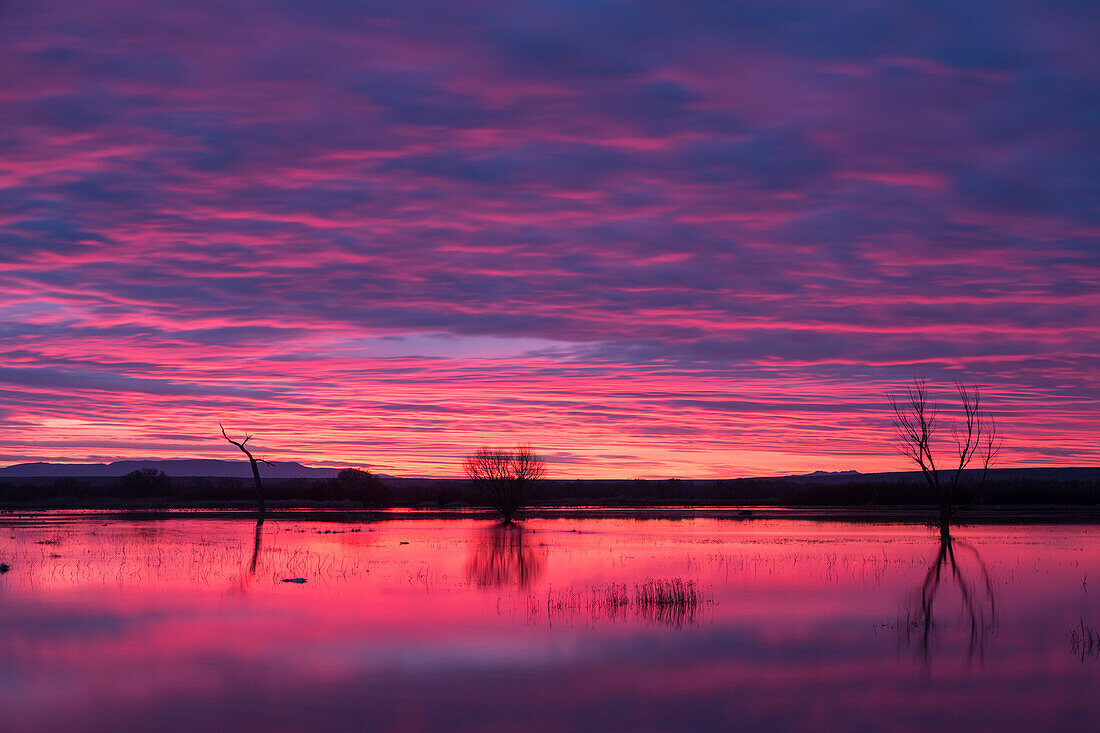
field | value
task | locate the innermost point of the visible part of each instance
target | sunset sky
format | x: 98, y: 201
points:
x: 652, y: 239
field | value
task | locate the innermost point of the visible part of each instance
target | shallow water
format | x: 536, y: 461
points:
x: 431, y: 624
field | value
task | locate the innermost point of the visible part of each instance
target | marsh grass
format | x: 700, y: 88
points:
x: 909, y: 624
x: 125, y: 558
x: 674, y: 602
x: 675, y: 592
x: 1085, y: 640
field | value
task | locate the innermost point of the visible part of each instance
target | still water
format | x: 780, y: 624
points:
x: 565, y: 624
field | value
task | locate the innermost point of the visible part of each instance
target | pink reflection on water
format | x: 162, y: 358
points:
x: 457, y: 624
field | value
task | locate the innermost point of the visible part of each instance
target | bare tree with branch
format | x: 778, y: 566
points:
x: 504, y: 476
x: 255, y: 467
x: 974, y: 438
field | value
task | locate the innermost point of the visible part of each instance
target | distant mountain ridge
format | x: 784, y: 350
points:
x: 213, y: 468
x: 1035, y: 473
x: 181, y: 468
x: 851, y: 472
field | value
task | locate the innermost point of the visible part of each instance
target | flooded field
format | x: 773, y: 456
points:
x: 620, y: 623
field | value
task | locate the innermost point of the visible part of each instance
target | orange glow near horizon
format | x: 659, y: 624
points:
x: 420, y: 417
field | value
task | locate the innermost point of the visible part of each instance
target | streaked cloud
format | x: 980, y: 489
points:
x: 653, y: 239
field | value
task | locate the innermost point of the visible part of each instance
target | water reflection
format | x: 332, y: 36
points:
x: 970, y: 581
x: 256, y: 546
x: 242, y: 584
x: 504, y: 555
x: 695, y: 625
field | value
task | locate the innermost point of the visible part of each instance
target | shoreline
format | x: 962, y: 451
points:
x: 986, y: 515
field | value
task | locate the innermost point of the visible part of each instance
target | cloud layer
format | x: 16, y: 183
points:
x: 652, y: 239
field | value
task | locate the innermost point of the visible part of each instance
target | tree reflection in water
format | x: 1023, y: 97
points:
x: 504, y: 555
x: 256, y: 546
x: 970, y: 579
x: 244, y: 580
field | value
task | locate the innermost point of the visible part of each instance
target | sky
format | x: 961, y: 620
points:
x: 688, y: 239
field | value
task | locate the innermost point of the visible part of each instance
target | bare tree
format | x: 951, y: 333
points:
x: 504, y: 476
x: 974, y: 438
x: 255, y: 468
x: 145, y: 482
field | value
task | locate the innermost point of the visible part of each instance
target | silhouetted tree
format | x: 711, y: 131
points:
x: 362, y: 486
x: 144, y: 482
x: 504, y: 477
x: 975, y: 437
x: 253, y: 461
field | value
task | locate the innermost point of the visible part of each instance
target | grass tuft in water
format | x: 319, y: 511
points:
x: 1085, y: 640
x: 671, y: 602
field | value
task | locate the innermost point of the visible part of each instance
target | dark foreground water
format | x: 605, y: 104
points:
x: 590, y: 624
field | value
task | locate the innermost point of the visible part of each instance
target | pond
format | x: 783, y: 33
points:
x: 595, y: 623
